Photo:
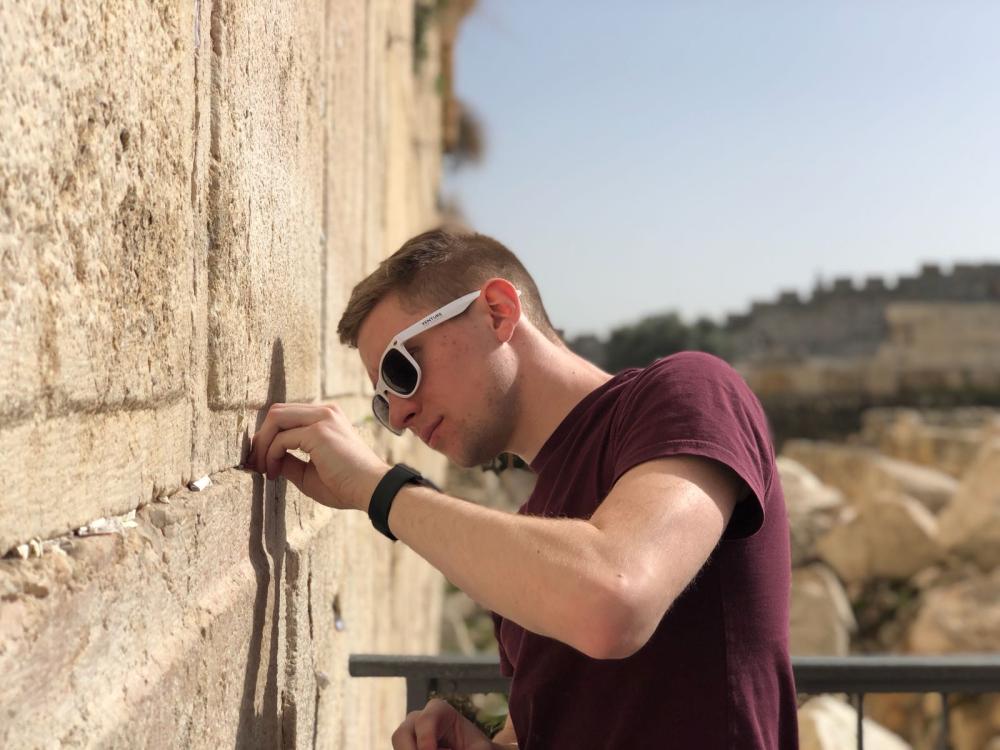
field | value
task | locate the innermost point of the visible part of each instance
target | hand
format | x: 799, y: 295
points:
x: 342, y: 470
x: 439, y: 725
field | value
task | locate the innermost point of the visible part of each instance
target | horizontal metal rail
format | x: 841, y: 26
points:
x: 814, y: 675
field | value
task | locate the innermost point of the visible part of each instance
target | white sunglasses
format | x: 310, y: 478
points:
x: 398, y: 371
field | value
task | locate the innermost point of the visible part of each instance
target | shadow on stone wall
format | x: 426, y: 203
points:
x: 267, y: 540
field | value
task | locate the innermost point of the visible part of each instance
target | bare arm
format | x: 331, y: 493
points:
x: 600, y: 585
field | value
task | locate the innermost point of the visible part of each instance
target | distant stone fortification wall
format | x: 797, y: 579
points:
x: 188, y: 192
x: 848, y: 320
x: 930, y: 340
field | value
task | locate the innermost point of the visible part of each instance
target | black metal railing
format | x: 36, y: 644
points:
x: 965, y: 674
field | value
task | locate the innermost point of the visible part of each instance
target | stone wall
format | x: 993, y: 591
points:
x: 845, y: 319
x: 188, y: 192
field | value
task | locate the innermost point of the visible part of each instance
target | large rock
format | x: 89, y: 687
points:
x: 975, y: 723
x: 970, y: 524
x: 959, y: 617
x: 861, y: 473
x: 813, y: 508
x: 828, y: 723
x: 944, y: 440
x: 821, y: 618
x: 893, y: 536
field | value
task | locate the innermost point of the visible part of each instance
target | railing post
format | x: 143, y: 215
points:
x: 417, y: 690
x: 945, y: 743
x: 861, y: 719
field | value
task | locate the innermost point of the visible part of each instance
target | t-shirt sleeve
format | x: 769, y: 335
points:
x: 693, y: 403
x: 506, y: 668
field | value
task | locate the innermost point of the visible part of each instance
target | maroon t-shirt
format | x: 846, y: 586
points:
x: 716, y: 674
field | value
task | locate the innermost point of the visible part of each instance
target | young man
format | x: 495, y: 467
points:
x: 640, y: 595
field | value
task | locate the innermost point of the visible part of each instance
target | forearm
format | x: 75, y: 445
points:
x: 551, y: 576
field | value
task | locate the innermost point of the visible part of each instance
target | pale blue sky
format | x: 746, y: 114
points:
x: 648, y: 156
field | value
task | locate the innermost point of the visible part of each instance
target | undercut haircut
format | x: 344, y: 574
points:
x: 436, y: 267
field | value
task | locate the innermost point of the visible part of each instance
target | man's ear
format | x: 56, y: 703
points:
x: 504, y: 305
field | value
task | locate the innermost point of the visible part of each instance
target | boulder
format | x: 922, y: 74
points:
x: 959, y: 617
x: 892, y: 536
x: 813, y: 508
x: 975, y: 720
x: 970, y: 524
x: 828, y: 723
x: 821, y: 618
x: 861, y: 473
x: 947, y: 440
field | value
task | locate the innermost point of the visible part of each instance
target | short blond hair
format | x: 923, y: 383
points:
x: 436, y: 267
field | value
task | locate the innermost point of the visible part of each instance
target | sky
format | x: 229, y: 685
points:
x: 694, y: 156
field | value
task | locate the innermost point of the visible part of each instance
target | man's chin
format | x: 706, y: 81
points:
x: 465, y: 459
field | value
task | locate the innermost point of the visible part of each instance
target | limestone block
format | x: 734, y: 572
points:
x: 893, y: 536
x: 96, y: 286
x: 378, y: 199
x: 73, y: 469
x: 813, y: 508
x: 347, y: 198
x: 265, y: 183
x: 970, y: 524
x: 861, y: 473
x: 821, y: 618
x: 828, y: 723
x: 959, y: 617
x: 213, y: 624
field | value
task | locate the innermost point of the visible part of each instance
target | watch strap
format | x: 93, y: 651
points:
x: 386, y: 491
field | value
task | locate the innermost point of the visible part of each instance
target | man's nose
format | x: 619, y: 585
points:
x: 402, y: 411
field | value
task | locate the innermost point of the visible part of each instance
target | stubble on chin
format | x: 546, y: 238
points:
x: 485, y: 441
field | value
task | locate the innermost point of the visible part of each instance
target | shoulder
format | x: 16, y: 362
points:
x: 688, y: 382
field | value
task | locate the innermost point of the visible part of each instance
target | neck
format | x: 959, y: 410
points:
x: 553, y: 380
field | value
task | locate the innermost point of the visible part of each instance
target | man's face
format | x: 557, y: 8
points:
x: 464, y: 405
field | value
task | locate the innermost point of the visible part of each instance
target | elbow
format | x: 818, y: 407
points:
x: 619, y: 625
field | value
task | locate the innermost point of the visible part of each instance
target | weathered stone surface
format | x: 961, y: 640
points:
x: 861, y: 473
x: 95, y: 241
x: 821, y: 620
x: 350, y: 194
x: 959, y: 617
x: 893, y: 536
x: 245, y: 616
x: 828, y: 723
x: 186, y: 195
x: 73, y: 469
x: 813, y: 508
x: 970, y: 524
x: 265, y: 183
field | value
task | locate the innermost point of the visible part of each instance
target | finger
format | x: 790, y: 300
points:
x: 304, y: 476
x: 284, y: 441
x: 434, y: 723
x: 403, y: 738
x: 283, y: 417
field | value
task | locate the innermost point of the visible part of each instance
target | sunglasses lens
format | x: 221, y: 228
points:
x: 398, y: 372
x: 381, y: 409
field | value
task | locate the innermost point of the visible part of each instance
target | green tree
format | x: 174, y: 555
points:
x: 639, y: 344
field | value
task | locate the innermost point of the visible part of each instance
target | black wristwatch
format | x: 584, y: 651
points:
x: 385, y: 493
